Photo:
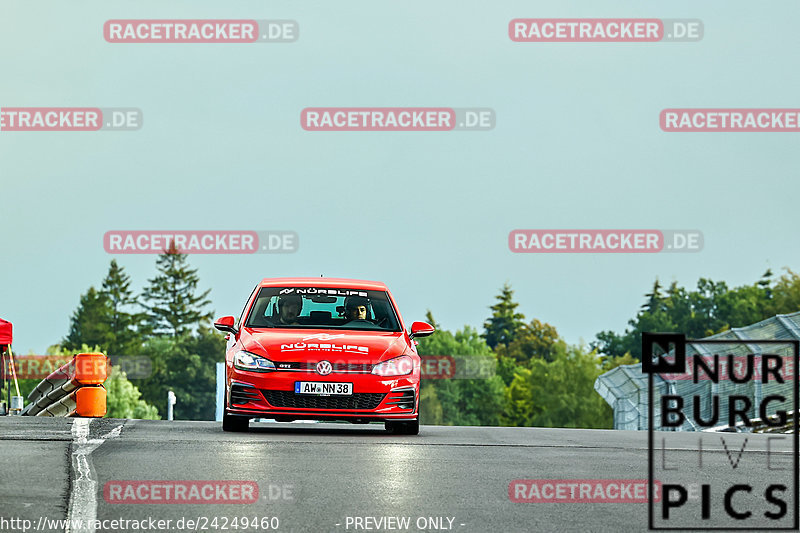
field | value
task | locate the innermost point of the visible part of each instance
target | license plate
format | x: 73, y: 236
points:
x: 323, y: 388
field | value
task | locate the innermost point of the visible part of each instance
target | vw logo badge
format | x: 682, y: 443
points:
x: 324, y: 368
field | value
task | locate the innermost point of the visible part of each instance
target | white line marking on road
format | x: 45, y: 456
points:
x: 114, y: 433
x: 83, y: 498
x: 80, y: 429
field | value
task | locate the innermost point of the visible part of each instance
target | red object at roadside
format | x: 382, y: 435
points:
x: 5, y: 332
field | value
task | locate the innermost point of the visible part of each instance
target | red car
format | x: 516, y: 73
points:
x: 322, y: 349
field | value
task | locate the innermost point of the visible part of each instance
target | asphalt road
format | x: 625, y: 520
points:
x: 325, y: 477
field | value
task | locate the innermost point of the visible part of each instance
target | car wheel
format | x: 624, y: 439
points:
x: 403, y: 428
x: 411, y: 428
x: 235, y: 423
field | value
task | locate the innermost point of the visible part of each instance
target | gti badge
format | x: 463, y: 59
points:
x: 324, y: 368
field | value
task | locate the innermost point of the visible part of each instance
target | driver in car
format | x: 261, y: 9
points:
x: 289, y: 307
x: 355, y: 308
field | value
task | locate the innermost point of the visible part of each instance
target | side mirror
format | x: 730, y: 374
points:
x: 421, y: 329
x: 225, y: 324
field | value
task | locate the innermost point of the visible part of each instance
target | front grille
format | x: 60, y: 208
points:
x: 404, y: 399
x: 241, y: 394
x: 364, y: 400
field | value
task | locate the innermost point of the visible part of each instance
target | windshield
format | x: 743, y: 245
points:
x: 328, y: 308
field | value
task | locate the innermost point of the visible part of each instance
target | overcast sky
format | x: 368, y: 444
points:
x: 577, y: 144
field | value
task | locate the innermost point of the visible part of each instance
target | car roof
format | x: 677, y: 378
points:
x: 323, y: 282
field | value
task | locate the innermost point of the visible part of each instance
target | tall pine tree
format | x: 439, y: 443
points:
x: 504, y: 323
x: 116, y: 287
x: 431, y: 320
x: 654, y: 298
x: 173, y: 306
x: 90, y: 322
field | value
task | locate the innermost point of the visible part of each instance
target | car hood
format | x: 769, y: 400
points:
x: 315, y: 345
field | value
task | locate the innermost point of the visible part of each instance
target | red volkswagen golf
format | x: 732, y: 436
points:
x: 322, y: 349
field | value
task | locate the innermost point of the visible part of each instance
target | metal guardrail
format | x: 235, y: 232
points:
x: 771, y: 425
x: 75, y: 389
x: 761, y: 426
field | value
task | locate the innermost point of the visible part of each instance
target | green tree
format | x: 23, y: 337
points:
x: 470, y: 402
x: 505, y: 321
x: 507, y: 368
x: 520, y: 399
x: 711, y: 308
x: 123, y: 337
x: 785, y: 294
x: 466, y: 341
x: 611, y: 363
x: 559, y: 393
x: 186, y: 366
x: 170, y: 298
x: 432, y: 414
x: 534, y: 340
x: 655, y: 299
x: 89, y: 324
x: 123, y: 399
x: 432, y: 321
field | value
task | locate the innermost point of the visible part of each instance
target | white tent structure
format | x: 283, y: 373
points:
x: 625, y: 387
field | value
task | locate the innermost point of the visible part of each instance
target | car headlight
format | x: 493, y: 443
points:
x: 244, y: 360
x: 399, y: 366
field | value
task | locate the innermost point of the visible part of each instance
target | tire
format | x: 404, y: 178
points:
x: 235, y: 423
x: 403, y: 428
x: 411, y: 428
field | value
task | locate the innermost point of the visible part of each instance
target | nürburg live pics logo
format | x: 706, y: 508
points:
x: 722, y: 432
